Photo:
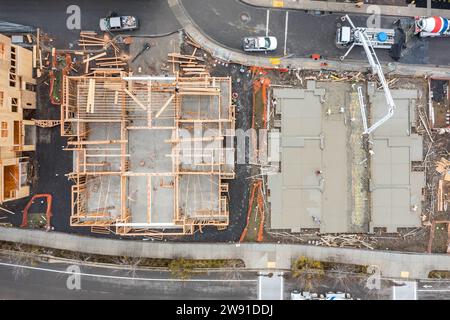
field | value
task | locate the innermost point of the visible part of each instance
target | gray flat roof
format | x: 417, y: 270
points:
x: 299, y: 197
x: 396, y: 191
x: 314, y: 135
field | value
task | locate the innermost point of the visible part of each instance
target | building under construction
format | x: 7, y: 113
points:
x: 151, y: 154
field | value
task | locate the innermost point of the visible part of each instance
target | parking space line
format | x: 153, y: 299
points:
x: 267, y: 22
x: 433, y: 290
x: 286, y: 31
x: 282, y: 286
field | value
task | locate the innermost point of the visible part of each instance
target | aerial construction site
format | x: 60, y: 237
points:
x: 166, y: 140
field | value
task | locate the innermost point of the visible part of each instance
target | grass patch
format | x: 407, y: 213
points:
x: 439, y: 274
x: 179, y: 267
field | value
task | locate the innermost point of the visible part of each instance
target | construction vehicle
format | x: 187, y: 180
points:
x: 338, y: 296
x: 306, y: 295
x: 361, y: 36
x: 118, y: 23
x: 379, y: 38
x: 250, y: 44
x: 432, y: 27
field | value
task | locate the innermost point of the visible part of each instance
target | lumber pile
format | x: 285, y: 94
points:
x: 110, y: 62
x: 90, y: 40
x: 101, y: 61
x: 189, y: 65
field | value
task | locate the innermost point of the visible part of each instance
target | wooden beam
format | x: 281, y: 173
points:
x: 94, y: 57
x: 91, y: 96
x: 96, y: 142
x: 132, y: 96
x: 165, y: 106
x: 116, y: 97
x: 34, y: 56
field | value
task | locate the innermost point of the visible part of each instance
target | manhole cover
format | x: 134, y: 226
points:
x: 245, y: 17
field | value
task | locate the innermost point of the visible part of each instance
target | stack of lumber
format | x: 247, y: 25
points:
x: 190, y: 65
x: 117, y: 63
x: 100, y: 61
x: 90, y: 40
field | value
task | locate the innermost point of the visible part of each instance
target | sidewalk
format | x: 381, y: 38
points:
x: 224, y: 53
x: 409, y: 11
x: 255, y: 255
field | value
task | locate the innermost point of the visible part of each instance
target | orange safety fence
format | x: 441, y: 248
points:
x: 256, y: 187
x: 262, y: 84
x: 48, y: 213
x: 56, y: 77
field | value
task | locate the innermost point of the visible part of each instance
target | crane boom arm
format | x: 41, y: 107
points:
x: 376, y: 69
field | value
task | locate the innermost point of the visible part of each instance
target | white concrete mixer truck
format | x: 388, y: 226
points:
x: 432, y: 27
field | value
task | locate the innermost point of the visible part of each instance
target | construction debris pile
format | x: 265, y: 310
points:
x: 106, y: 56
x: 346, y: 240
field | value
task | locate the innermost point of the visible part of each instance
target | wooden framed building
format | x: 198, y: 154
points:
x: 151, y: 154
x: 17, y: 135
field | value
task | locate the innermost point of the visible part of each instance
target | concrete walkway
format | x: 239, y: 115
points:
x: 221, y: 52
x: 255, y: 256
x: 406, y: 11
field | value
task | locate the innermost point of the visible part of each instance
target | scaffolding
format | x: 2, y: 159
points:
x: 151, y: 154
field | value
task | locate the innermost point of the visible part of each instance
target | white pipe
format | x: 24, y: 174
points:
x: 149, y: 78
x: 147, y: 225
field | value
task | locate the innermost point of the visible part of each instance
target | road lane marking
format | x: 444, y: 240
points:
x: 282, y: 286
x: 286, y: 31
x: 259, y: 288
x: 267, y: 22
x: 433, y: 290
x: 124, y: 278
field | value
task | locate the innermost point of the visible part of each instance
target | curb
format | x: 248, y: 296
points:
x: 220, y: 52
x: 342, y: 7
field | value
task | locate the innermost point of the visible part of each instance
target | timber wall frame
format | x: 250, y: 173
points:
x: 128, y: 104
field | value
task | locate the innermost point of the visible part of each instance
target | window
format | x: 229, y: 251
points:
x: 14, y: 104
x: 30, y: 87
x: 12, y: 70
x: 4, y: 129
x: 23, y: 173
x: 1, y: 99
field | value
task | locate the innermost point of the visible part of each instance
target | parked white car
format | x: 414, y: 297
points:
x: 250, y: 44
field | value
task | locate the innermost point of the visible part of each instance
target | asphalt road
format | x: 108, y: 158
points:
x: 155, y: 16
x: 433, y: 290
x: 49, y: 281
x: 24, y: 278
x: 229, y: 21
x: 226, y: 21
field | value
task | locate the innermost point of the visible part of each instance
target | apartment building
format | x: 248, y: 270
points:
x: 17, y: 133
